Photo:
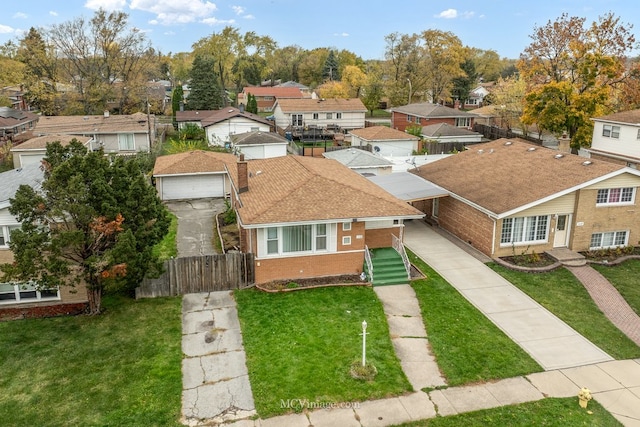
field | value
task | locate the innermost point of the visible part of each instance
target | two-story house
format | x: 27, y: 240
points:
x: 344, y: 114
x: 426, y: 113
x: 510, y: 196
x: 616, y: 138
x: 15, y: 123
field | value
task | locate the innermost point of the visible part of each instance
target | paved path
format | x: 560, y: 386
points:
x: 409, y: 336
x: 195, y: 225
x: 550, y: 341
x: 609, y: 300
x: 215, y: 380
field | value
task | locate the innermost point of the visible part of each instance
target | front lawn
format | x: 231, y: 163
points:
x: 563, y: 295
x: 121, y: 368
x: 468, y: 346
x: 545, y: 412
x: 300, y: 345
x: 625, y: 279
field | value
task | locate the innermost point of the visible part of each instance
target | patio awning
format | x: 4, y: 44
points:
x: 408, y: 187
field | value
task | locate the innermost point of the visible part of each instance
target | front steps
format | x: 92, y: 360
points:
x: 388, y: 268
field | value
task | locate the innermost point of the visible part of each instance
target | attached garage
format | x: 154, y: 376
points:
x: 192, y: 186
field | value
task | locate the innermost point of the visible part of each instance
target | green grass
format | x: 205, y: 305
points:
x: 168, y: 247
x: 121, y: 368
x: 545, y: 412
x: 563, y: 295
x: 300, y: 345
x: 468, y: 346
x: 625, y: 279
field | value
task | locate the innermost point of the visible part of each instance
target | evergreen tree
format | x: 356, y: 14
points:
x: 252, y: 104
x: 93, y: 223
x: 330, y: 70
x: 205, y: 92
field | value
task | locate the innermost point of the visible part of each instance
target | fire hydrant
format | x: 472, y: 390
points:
x: 584, y: 396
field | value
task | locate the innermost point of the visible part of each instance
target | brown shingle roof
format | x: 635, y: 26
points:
x: 276, y: 91
x: 429, y: 110
x: 379, y: 133
x: 629, y: 117
x: 445, y: 129
x: 73, y: 125
x: 317, y: 105
x: 10, y: 117
x: 192, y: 162
x: 297, y: 189
x: 40, y: 142
x: 211, y: 117
x: 501, y: 178
x: 258, y: 138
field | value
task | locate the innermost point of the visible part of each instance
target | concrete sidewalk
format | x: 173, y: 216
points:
x: 549, y: 341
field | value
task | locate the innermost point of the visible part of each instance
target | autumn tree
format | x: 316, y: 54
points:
x: 205, y: 91
x: 354, y: 79
x: 443, y: 54
x: 98, y: 53
x: 93, y: 223
x: 333, y: 89
x: 41, y: 71
x: 573, y: 73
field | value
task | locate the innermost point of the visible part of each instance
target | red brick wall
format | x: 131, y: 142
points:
x: 399, y: 121
x: 292, y: 268
x: 469, y: 224
x: 381, y: 237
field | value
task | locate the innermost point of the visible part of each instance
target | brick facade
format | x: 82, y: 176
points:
x: 304, y: 267
x: 399, y: 121
x: 381, y: 237
x: 466, y: 222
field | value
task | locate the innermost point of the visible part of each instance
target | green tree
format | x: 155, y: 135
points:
x: 574, y: 73
x: 205, y: 91
x: 41, y: 71
x: 464, y: 84
x: 93, y: 224
x: 330, y: 70
x: 252, y: 104
x: 177, y: 98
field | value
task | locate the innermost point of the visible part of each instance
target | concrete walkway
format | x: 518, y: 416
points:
x: 609, y: 300
x: 215, y: 380
x: 549, y: 341
x: 195, y: 225
x: 409, y: 336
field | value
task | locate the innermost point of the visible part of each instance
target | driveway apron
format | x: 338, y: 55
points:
x: 195, y: 225
x: 549, y: 341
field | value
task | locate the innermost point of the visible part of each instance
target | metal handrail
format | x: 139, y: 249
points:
x: 399, y: 247
x: 367, y: 258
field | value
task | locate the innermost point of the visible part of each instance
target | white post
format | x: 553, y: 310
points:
x: 364, y: 342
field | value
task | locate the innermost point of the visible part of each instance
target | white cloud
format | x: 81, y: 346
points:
x: 341, y: 34
x: 170, y: 12
x: 53, y: 13
x: 216, y: 21
x: 20, y: 15
x: 106, y: 4
x: 239, y: 10
x: 5, y: 29
x: 448, y: 14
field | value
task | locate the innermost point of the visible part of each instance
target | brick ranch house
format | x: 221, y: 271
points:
x: 18, y: 301
x: 307, y: 217
x: 426, y: 113
x: 510, y: 196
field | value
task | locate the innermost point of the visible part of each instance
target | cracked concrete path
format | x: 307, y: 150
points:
x: 215, y: 380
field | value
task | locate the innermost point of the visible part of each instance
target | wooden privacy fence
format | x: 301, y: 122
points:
x: 208, y: 273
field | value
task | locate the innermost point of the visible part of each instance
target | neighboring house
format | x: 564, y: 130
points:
x: 385, y: 141
x: 25, y: 300
x: 616, y: 138
x: 259, y: 145
x: 116, y: 134
x: 306, y: 91
x: 444, y: 132
x: 476, y: 96
x: 266, y: 96
x: 489, y: 115
x: 344, y: 114
x: 14, y: 123
x: 426, y: 113
x: 34, y: 150
x: 361, y: 161
x: 308, y: 217
x: 16, y: 96
x: 192, y: 175
x: 221, y: 124
x: 514, y: 197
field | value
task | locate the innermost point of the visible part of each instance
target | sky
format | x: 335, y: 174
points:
x: 359, y: 26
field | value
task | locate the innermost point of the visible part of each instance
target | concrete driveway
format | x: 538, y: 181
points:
x: 196, y: 225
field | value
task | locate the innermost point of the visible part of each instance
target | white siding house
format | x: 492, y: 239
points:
x: 616, y: 137
x: 345, y: 114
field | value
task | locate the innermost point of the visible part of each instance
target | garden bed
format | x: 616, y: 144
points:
x: 534, y: 262
x: 312, y: 282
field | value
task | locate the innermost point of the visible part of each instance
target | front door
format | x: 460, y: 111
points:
x: 561, y: 234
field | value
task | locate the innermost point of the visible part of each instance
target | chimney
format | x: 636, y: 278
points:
x: 564, y: 143
x: 243, y: 176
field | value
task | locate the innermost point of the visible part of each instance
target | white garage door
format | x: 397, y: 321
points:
x: 192, y: 187
x: 29, y: 159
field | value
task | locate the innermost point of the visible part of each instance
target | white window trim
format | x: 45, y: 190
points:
x: 126, y: 135
x: 18, y: 300
x: 346, y: 240
x: 346, y: 226
x: 330, y: 237
x: 602, y: 233
x: 607, y: 203
x: 525, y: 242
x: 5, y: 231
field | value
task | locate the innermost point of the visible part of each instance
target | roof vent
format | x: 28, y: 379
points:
x: 480, y: 151
x: 508, y: 143
x: 531, y: 149
x: 587, y: 163
x: 558, y: 156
